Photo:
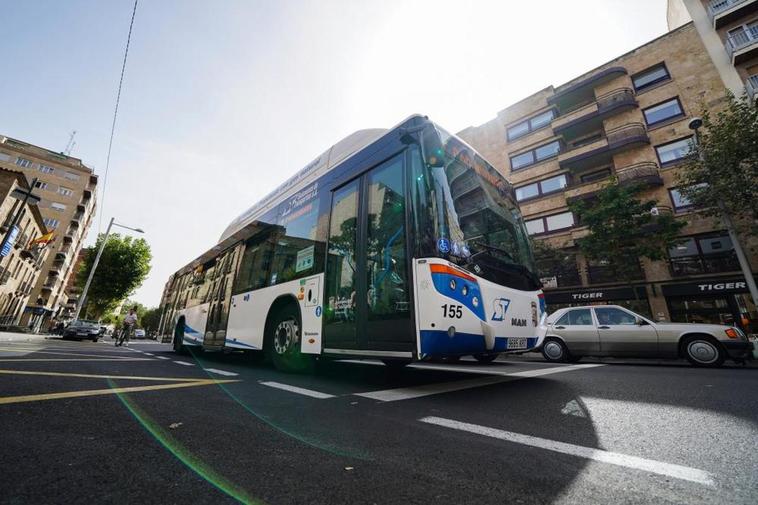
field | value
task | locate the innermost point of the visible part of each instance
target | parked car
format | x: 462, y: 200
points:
x: 139, y: 333
x: 610, y: 330
x: 82, y: 329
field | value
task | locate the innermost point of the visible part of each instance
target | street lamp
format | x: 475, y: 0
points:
x: 694, y: 125
x: 112, y: 223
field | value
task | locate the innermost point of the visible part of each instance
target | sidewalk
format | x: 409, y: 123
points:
x: 7, y: 336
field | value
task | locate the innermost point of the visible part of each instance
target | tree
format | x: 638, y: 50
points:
x: 554, y: 262
x: 151, y: 319
x: 623, y: 230
x: 721, y: 176
x: 123, y: 266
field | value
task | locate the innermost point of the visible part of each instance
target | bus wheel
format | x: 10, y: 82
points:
x: 283, y: 342
x: 178, y: 343
x: 485, y: 358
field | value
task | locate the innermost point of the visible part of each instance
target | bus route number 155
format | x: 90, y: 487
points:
x: 452, y: 310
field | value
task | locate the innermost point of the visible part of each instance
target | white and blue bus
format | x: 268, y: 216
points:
x: 400, y: 245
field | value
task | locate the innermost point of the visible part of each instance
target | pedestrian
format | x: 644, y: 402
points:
x: 129, y: 321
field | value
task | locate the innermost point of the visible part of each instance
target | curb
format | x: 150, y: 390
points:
x: 21, y: 337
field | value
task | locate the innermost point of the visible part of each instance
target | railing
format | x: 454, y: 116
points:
x: 738, y: 40
x: 7, y: 319
x: 626, y: 132
x: 716, y: 7
x: 638, y: 171
x: 614, y: 98
x: 707, y: 264
x: 751, y: 86
x: 6, y: 274
x: 21, y: 241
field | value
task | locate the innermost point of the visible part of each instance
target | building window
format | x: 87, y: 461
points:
x: 743, y: 35
x: 650, y: 77
x: 681, y: 202
x: 57, y: 206
x: 23, y: 162
x: 65, y: 191
x: 670, y: 153
x: 41, y: 185
x: 529, y: 125
x: 46, y: 169
x: 536, y: 155
x: 71, y: 176
x: 663, y: 112
x: 549, y: 224
x: 51, y: 223
x: 703, y: 254
x: 541, y: 188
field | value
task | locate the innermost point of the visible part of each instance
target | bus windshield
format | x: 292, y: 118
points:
x: 475, y: 220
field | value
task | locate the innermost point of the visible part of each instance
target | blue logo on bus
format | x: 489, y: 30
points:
x: 318, y: 311
x: 500, y: 307
x: 443, y: 245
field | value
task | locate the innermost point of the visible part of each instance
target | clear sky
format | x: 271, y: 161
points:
x: 223, y: 100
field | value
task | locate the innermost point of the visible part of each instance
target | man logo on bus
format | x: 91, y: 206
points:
x: 500, y: 306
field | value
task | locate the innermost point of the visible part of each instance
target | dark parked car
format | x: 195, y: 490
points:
x: 80, y: 330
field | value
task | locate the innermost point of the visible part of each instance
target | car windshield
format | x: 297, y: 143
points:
x: 475, y: 220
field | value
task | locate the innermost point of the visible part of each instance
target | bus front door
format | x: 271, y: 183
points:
x: 367, y: 279
x: 220, y: 299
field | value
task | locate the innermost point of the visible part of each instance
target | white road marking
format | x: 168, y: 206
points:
x: 148, y: 354
x: 483, y: 369
x: 613, y: 458
x: 393, y: 395
x: 300, y: 391
x: 162, y: 357
x: 495, y: 377
x: 220, y: 372
x: 184, y: 363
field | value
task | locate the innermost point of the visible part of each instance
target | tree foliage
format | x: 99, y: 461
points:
x: 724, y: 166
x: 623, y: 230
x: 151, y: 319
x: 554, y: 262
x: 123, y: 267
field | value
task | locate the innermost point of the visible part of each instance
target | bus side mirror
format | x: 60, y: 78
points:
x: 431, y: 147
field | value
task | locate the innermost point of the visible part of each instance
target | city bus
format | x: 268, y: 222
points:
x: 397, y: 245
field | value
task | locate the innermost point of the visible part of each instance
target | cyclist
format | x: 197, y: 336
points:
x: 128, y: 327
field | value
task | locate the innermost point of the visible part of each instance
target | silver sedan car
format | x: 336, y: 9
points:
x: 610, y: 330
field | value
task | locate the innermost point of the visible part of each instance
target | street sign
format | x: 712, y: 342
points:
x: 9, y: 243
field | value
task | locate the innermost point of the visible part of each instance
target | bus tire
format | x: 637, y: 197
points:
x: 283, y: 341
x: 178, y: 343
x: 486, y: 358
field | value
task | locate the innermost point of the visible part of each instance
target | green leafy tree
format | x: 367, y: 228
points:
x: 151, y: 319
x: 721, y: 176
x: 555, y: 262
x: 623, y: 230
x: 123, y: 267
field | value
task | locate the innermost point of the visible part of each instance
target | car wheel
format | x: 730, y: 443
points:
x: 485, y: 358
x: 703, y: 351
x: 555, y: 350
x: 283, y: 342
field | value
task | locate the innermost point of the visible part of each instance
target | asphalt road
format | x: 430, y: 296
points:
x: 90, y: 423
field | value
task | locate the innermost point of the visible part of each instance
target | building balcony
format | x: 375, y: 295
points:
x: 743, y: 45
x: 723, y: 12
x: 582, y: 92
x: 4, y: 276
x: 61, y: 255
x: 86, y: 195
x: 48, y: 286
x: 645, y: 173
x: 601, y: 151
x: 92, y: 181
x: 589, y: 118
x: 68, y: 237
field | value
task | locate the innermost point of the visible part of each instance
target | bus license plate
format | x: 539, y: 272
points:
x: 517, y: 343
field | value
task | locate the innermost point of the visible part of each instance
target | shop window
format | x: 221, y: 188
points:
x: 704, y: 254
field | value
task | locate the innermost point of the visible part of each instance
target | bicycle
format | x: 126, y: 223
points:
x: 126, y: 332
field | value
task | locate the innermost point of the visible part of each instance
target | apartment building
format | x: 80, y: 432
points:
x: 21, y: 260
x: 67, y: 189
x: 729, y: 31
x: 628, y: 119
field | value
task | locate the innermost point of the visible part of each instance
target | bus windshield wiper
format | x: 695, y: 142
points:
x: 494, y: 248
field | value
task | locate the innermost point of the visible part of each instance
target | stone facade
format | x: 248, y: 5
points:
x: 619, y: 119
x: 68, y: 190
x: 21, y: 267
